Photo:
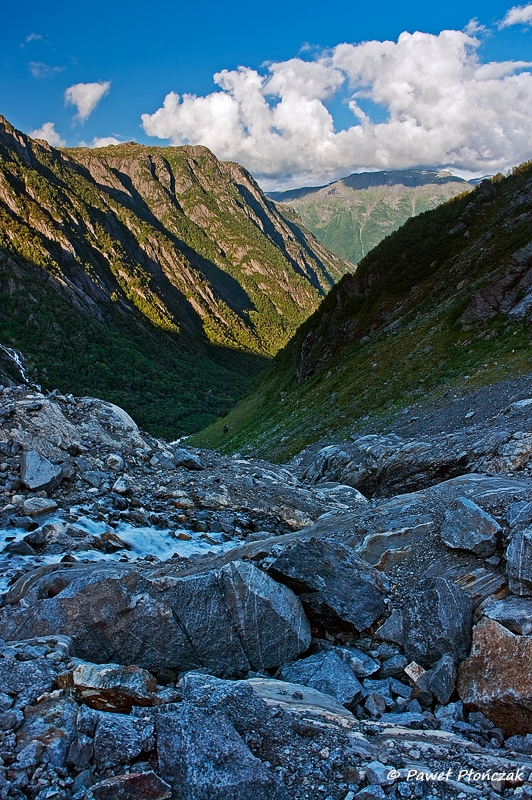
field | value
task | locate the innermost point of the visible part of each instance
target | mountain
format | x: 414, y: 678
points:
x: 352, y: 215
x: 439, y: 308
x: 158, y: 278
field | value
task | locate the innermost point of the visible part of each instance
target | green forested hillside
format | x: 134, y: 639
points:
x: 441, y: 305
x: 160, y: 278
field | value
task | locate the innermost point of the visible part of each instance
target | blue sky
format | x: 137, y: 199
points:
x: 137, y: 54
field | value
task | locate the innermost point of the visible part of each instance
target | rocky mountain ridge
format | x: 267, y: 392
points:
x: 178, y: 623
x: 161, y: 265
x: 440, y: 308
x: 352, y: 215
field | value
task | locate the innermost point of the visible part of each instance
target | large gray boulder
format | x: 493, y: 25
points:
x: 437, y: 620
x: 204, y: 758
x: 37, y: 472
x: 325, y: 672
x: 228, y: 620
x: 468, y: 527
x: 119, y: 738
x: 338, y: 589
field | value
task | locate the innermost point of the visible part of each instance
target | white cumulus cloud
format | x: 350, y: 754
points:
x: 49, y: 134
x: 86, y: 96
x: 518, y: 15
x: 441, y: 106
x: 104, y: 141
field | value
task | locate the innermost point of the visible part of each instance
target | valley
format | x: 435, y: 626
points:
x: 162, y: 282
x: 438, y: 309
x: 352, y: 215
x: 325, y: 594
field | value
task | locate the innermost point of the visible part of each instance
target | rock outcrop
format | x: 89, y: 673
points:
x: 176, y: 623
x: 228, y: 621
x: 495, y: 679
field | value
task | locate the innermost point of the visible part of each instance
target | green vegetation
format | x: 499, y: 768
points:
x: 391, y: 336
x: 158, y: 278
x: 168, y: 391
x: 351, y: 216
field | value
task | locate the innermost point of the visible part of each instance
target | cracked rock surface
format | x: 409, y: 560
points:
x: 179, y: 624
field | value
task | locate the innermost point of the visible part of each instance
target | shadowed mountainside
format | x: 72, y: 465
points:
x: 159, y: 278
x: 442, y: 305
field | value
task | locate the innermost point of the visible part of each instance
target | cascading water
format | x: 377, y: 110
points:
x: 17, y: 358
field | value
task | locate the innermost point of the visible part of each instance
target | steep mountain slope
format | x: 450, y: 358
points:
x: 159, y: 278
x: 352, y: 215
x: 442, y: 305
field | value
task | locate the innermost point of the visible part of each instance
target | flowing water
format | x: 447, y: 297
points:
x: 140, y: 542
x: 16, y: 357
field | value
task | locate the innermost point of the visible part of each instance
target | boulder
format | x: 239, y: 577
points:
x: 37, y: 472
x: 358, y: 662
x: 134, y: 786
x: 186, y: 458
x: 238, y: 700
x: 339, y: 591
x: 28, y: 677
x: 115, y: 462
x: 35, y: 506
x: 519, y: 563
x: 111, y: 687
x: 119, y: 738
x: 204, y: 758
x: 496, y: 678
x: 437, y: 620
x: 228, y: 620
x: 325, y: 672
x: 53, y: 723
x: 443, y: 678
x: 515, y: 613
x: 467, y: 527
x: 121, y: 486
x: 392, y: 629
x: 80, y: 752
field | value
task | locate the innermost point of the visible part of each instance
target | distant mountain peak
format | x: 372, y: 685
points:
x: 352, y: 215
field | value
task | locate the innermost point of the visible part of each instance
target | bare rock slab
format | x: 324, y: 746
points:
x: 203, y: 757
x: 437, y: 620
x: 468, y: 527
x: 497, y: 677
x: 37, y: 472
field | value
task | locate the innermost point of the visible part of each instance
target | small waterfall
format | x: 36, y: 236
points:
x: 15, y: 356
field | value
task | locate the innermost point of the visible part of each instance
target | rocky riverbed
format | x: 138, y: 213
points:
x: 177, y: 623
